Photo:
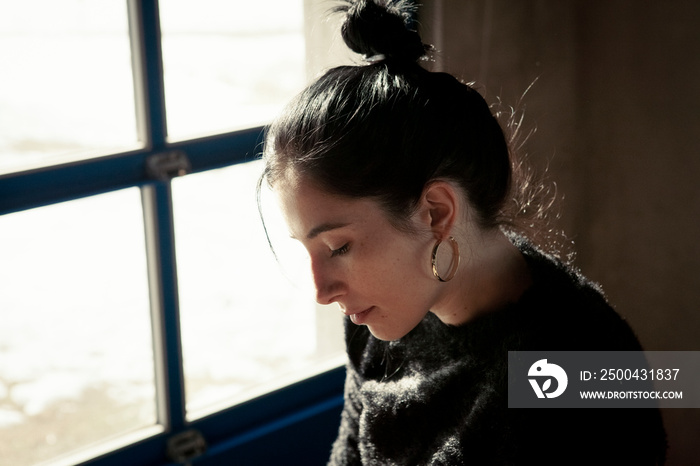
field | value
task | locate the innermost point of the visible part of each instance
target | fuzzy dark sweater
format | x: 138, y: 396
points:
x: 438, y: 395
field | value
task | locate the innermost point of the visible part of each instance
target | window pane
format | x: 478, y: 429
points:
x: 229, y: 64
x: 248, y: 322
x: 66, y: 87
x: 76, y: 361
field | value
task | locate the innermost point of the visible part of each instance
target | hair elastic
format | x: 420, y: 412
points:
x: 375, y: 58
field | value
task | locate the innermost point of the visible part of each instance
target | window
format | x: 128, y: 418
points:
x: 139, y: 309
x: 229, y: 64
x: 76, y: 360
x: 67, y: 89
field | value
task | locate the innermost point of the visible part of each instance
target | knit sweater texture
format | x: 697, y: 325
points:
x: 438, y: 396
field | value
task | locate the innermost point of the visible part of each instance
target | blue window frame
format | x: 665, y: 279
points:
x: 298, y: 421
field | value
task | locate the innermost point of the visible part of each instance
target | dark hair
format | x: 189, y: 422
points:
x: 387, y: 128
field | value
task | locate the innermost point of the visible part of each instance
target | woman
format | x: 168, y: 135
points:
x: 399, y: 183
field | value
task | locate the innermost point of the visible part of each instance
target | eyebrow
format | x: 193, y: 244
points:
x: 324, y: 227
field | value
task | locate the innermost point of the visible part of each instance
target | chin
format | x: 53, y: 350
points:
x: 387, y: 334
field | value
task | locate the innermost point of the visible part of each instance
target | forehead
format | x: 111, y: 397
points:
x: 306, y: 207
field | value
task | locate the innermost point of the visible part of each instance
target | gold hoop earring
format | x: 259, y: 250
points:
x: 455, y: 262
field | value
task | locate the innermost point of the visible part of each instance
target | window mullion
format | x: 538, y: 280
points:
x: 147, y: 65
x: 144, y: 26
x: 162, y: 272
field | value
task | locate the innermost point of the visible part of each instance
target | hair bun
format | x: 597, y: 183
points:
x: 381, y: 27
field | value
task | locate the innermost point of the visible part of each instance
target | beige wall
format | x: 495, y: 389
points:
x: 616, y: 105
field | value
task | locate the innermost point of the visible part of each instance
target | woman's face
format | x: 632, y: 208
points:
x: 379, y: 276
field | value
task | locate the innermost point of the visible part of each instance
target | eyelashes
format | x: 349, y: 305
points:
x: 341, y: 250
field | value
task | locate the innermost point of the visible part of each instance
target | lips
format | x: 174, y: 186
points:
x: 360, y: 317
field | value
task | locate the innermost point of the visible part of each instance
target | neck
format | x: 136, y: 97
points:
x: 493, y: 273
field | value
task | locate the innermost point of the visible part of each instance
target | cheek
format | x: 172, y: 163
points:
x: 411, y: 261
x: 400, y: 268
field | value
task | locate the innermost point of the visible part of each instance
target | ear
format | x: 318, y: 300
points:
x: 440, y: 205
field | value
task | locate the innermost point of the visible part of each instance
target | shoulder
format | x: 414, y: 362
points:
x: 567, y: 310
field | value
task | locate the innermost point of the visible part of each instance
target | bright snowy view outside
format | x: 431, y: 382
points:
x: 76, y: 356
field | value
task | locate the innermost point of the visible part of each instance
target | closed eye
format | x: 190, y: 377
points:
x: 341, y: 250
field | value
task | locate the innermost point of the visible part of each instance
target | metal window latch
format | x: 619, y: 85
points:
x: 167, y: 165
x: 186, y: 446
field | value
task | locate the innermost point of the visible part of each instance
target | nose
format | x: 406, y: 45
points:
x: 329, y: 287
